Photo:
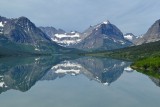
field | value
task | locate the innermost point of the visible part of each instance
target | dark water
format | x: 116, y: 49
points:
x: 67, y: 81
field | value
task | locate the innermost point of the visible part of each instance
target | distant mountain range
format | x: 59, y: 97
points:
x: 103, y: 36
x: 21, y: 36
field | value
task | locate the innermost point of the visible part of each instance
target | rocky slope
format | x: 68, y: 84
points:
x: 152, y: 35
x: 103, y: 36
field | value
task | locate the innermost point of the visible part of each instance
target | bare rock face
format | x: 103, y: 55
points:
x: 103, y: 36
x: 152, y: 35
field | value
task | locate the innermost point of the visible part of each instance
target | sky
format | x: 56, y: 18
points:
x: 130, y: 16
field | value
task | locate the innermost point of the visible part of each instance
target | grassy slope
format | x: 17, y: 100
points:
x: 150, y: 64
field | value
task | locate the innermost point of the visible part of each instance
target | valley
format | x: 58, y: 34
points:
x: 20, y: 36
x: 79, y: 53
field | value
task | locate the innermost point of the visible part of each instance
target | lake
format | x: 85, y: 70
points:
x: 71, y: 81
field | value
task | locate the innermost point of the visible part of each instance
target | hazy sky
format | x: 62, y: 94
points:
x: 134, y: 16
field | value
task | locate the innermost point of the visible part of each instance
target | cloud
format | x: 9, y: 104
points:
x: 134, y: 16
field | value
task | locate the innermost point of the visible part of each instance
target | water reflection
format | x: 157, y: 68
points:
x: 153, y: 75
x: 22, y: 73
x: 156, y: 81
x: 102, y: 70
x: 154, y: 78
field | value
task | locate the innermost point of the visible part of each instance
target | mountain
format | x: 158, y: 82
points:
x: 152, y: 35
x: 61, y: 37
x: 103, y: 36
x: 51, y: 31
x: 21, y: 36
x: 131, y: 37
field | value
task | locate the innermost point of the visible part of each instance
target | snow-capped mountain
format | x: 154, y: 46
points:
x: 103, y: 36
x: 152, y: 35
x: 130, y: 37
x: 61, y: 37
x: 21, y: 35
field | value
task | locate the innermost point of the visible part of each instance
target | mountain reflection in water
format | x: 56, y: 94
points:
x: 21, y: 73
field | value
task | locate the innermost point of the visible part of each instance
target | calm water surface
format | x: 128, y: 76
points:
x: 74, y: 82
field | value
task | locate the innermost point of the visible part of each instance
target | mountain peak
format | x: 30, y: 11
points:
x: 106, y: 22
x: 23, y: 17
x: 23, y: 20
x: 152, y: 35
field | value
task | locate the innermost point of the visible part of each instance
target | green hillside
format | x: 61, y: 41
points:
x: 131, y: 53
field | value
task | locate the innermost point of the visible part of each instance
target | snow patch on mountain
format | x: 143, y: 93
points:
x: 67, y: 39
x: 1, y: 24
x: 67, y: 35
x: 1, y: 27
x: 132, y: 38
x: 66, y: 42
x: 106, y: 22
x: 128, y: 37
